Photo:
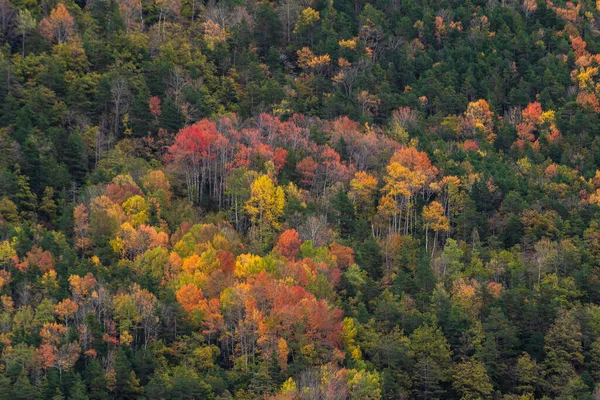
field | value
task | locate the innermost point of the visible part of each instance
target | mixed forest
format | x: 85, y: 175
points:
x: 299, y: 199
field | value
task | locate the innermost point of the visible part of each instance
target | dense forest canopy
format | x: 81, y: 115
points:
x: 299, y: 199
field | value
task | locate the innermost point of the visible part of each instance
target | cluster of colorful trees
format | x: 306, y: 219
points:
x: 299, y: 199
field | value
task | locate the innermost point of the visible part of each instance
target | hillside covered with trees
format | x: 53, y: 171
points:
x: 299, y: 199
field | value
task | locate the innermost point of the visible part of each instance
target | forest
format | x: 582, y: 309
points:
x: 299, y: 199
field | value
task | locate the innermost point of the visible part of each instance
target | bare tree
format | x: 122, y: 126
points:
x: 288, y: 13
x: 119, y: 90
x: 178, y: 81
x: 7, y: 15
x: 315, y: 229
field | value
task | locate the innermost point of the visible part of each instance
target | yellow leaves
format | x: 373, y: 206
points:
x: 349, y: 336
x: 362, y: 186
x: 348, y: 44
x: 191, y: 264
x: 434, y: 215
x: 387, y: 206
x: 396, y: 180
x: 307, y: 18
x: 479, y: 115
x: 266, y: 202
x: 49, y: 280
x: 595, y: 198
x: 524, y: 165
x: 548, y: 117
x: 282, y: 353
x: 249, y: 264
x: 584, y: 78
x: 7, y: 254
x: 125, y: 338
x: 289, y: 388
x: 136, y: 208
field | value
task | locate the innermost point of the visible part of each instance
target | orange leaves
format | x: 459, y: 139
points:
x: 535, y: 120
x: 214, y: 34
x: 409, y: 171
x: 529, y: 6
x: 81, y: 228
x: 579, y: 45
x: 343, y: 255
x: 470, y: 145
x: 130, y: 242
x: 58, y: 26
x: 288, y: 244
x: 442, y: 29
x: 194, y: 141
x: 189, y: 297
x: 55, y: 351
x: 82, y: 287
x: 66, y: 309
x: 464, y: 294
x: 46, y: 355
x: 495, y: 289
x: 585, y: 75
x: 569, y: 13
x: 307, y: 60
x: 193, y: 302
x: 589, y: 101
x: 532, y: 112
x: 295, y: 312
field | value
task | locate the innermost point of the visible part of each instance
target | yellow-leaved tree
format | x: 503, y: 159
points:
x: 434, y: 216
x: 265, y: 206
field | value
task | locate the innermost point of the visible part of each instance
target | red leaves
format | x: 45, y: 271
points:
x: 37, y: 258
x: 121, y: 188
x: 154, y: 105
x: 194, y: 141
x: 295, y: 312
x: 307, y: 168
x: 470, y: 145
x: 279, y: 158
